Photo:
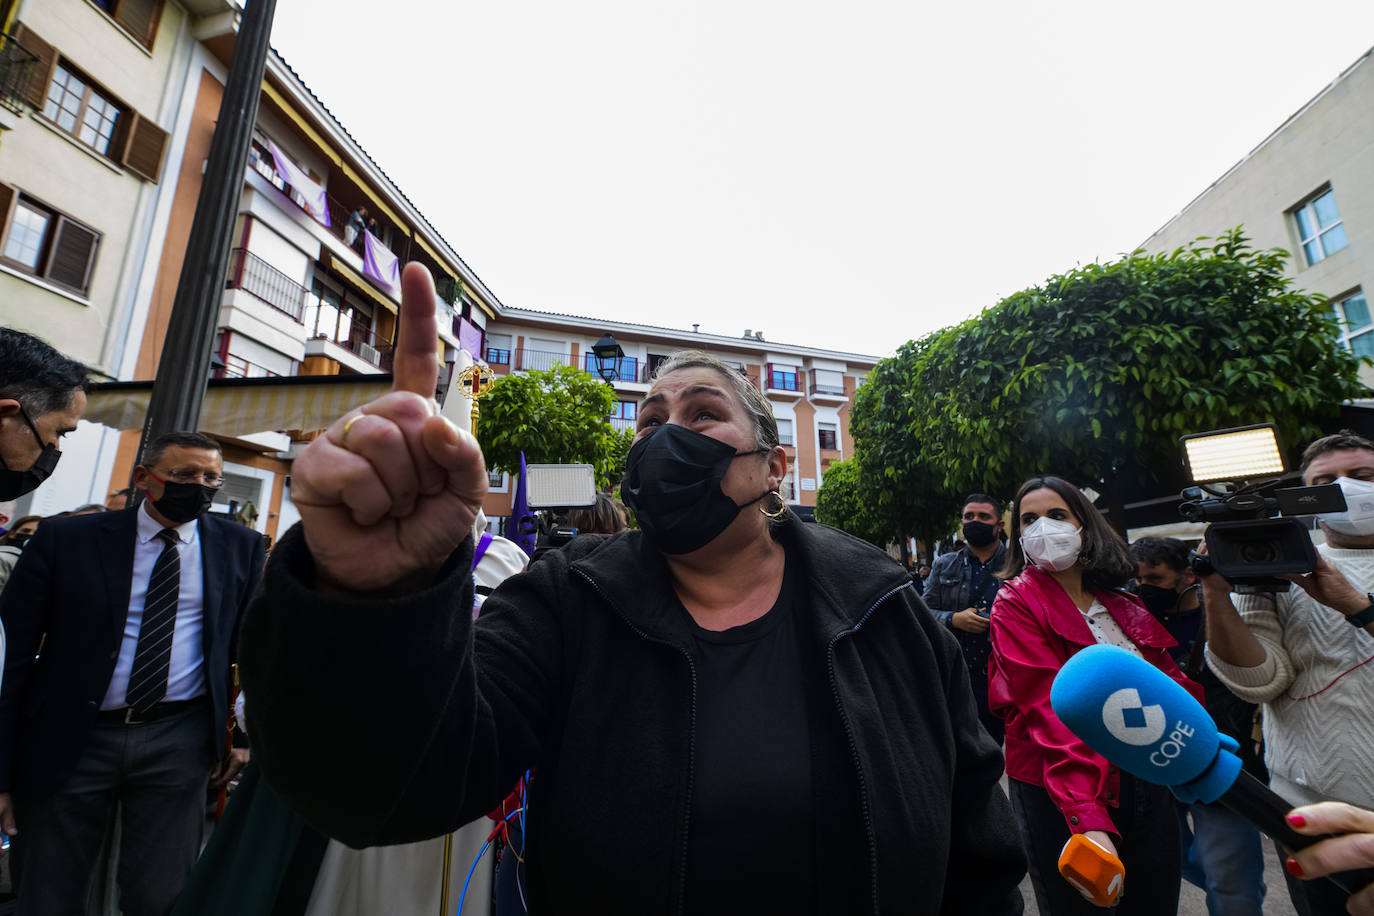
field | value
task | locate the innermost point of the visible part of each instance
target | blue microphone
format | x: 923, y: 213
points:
x: 1145, y: 722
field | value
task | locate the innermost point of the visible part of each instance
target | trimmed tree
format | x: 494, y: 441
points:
x: 1095, y: 374
x: 556, y: 416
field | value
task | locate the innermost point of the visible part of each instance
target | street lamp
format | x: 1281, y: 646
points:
x: 608, y: 355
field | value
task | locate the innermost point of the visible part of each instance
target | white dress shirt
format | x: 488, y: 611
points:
x: 186, y: 677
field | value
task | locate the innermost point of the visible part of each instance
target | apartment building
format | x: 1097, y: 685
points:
x: 308, y: 312
x: 809, y: 389
x: 312, y: 290
x: 1308, y: 188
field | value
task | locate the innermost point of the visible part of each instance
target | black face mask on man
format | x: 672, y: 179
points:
x: 1158, y: 599
x: 182, y: 502
x: 672, y: 482
x: 979, y: 534
x: 14, y: 484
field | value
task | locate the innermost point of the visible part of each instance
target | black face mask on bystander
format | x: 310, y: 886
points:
x: 672, y: 482
x: 14, y: 484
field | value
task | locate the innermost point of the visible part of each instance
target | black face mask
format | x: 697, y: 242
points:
x: 182, y: 502
x: 1158, y: 599
x: 979, y: 534
x: 14, y: 484
x: 20, y: 540
x: 672, y: 482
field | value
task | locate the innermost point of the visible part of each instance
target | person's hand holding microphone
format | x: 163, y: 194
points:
x: 391, y: 488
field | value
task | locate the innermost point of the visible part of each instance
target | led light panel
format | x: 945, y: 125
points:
x: 560, y: 486
x: 1236, y: 454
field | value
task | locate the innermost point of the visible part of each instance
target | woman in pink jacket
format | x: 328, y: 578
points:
x: 1065, y: 568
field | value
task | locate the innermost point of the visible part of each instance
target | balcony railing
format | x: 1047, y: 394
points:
x: 539, y: 359
x: 260, y: 159
x: 782, y: 380
x: 620, y: 423
x: 831, y: 390
x: 253, y: 275
x: 17, y: 69
x: 366, y: 345
x: 238, y: 367
x: 626, y: 368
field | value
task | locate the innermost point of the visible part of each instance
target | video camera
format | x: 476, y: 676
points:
x: 554, y: 489
x: 1246, y: 543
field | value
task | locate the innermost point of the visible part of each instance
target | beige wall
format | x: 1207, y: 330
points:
x: 1330, y: 142
x: 54, y: 167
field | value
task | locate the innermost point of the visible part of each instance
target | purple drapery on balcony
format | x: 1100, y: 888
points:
x: 470, y: 338
x: 380, y: 262
x: 300, y: 183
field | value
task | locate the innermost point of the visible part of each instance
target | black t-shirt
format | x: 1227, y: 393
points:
x: 751, y: 837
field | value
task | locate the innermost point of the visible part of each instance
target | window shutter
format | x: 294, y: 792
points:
x: 72, y: 254
x: 140, y: 17
x: 147, y: 141
x: 40, y: 73
x: 6, y: 200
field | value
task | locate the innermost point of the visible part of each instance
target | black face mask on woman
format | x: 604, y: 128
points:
x: 182, y: 502
x: 14, y: 484
x: 672, y: 482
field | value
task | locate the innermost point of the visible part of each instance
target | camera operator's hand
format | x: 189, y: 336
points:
x: 389, y: 490
x: 969, y: 620
x: 1327, y: 586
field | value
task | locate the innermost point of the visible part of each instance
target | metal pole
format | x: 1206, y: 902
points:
x: 184, y: 366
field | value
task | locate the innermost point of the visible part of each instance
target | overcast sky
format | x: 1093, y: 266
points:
x: 844, y: 175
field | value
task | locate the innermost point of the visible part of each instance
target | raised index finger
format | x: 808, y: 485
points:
x: 415, y: 366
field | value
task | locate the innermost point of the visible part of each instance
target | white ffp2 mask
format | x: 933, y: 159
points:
x: 1051, y: 544
x: 1358, y: 517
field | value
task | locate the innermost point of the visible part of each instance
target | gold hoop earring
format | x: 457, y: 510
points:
x: 782, y: 504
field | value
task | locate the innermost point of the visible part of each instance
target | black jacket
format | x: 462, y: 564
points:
x: 70, y: 591
x: 386, y: 720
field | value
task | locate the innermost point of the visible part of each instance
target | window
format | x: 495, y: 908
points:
x: 82, y: 111
x: 782, y: 377
x: 496, y: 480
x: 137, y: 17
x: 828, y: 434
x: 785, y: 432
x: 625, y: 410
x: 46, y: 243
x: 827, y: 381
x: 498, y: 357
x: 1319, y: 228
x: 788, y: 487
x: 626, y: 368
x: 1357, y: 330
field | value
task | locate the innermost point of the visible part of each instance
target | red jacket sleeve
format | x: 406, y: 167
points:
x: 1026, y: 656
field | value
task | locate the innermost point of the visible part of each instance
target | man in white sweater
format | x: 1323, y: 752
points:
x: 1306, y: 653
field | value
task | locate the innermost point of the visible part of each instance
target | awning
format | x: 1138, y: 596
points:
x: 364, y: 286
x: 243, y: 406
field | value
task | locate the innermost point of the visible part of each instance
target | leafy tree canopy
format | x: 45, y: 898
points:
x: 845, y: 501
x: 1096, y: 373
x: 556, y: 416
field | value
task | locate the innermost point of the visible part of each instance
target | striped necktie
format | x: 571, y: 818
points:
x: 153, y: 656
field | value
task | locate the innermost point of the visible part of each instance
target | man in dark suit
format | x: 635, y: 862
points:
x: 135, y: 614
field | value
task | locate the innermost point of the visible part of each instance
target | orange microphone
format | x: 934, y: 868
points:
x: 1093, y: 871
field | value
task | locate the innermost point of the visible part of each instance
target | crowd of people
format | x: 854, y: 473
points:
x: 701, y: 704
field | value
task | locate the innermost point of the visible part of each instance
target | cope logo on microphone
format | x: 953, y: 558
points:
x: 1130, y: 721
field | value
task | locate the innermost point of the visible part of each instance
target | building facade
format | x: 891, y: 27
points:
x: 1307, y: 188
x: 809, y: 389
x: 123, y: 95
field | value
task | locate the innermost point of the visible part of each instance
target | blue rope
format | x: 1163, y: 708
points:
x: 464, y: 895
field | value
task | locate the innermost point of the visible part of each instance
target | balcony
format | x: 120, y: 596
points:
x: 783, y: 380
x: 238, y: 367
x: 526, y: 360
x: 17, y: 70
x: 361, y: 351
x: 830, y: 393
x: 255, y: 276
x: 626, y: 368
x: 620, y: 424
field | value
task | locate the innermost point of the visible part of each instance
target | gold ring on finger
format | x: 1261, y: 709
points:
x: 343, y: 437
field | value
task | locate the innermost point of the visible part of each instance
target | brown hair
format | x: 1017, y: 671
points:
x: 9, y: 537
x: 1338, y: 442
x: 606, y: 516
x: 1104, y: 558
